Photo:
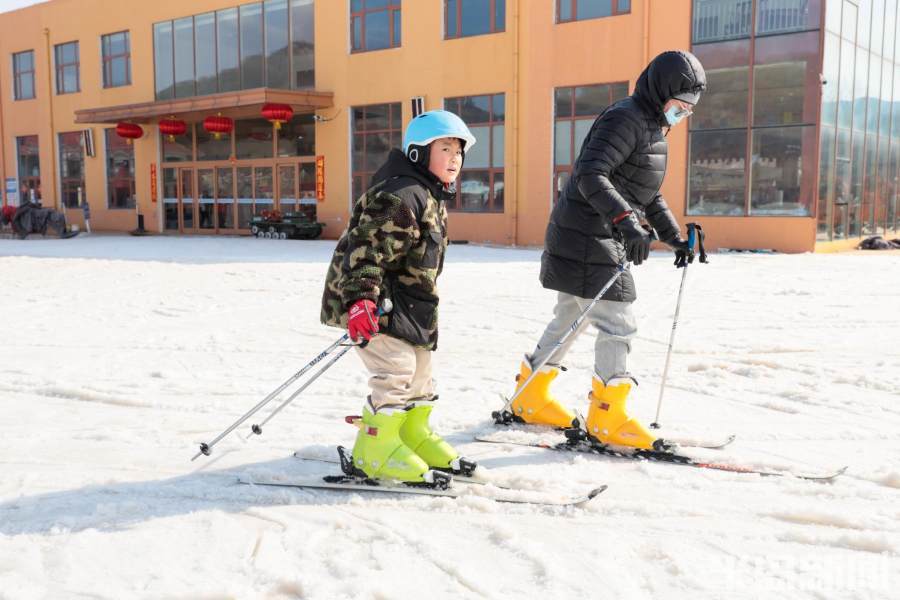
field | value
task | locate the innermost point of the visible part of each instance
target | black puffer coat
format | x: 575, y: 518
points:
x: 620, y: 167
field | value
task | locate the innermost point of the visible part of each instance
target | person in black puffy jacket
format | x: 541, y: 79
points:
x: 594, y: 227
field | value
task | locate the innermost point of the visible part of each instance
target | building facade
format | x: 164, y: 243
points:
x: 197, y: 116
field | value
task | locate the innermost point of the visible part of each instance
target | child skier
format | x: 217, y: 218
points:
x: 393, y: 248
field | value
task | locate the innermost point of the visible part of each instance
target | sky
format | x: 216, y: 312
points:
x: 8, y: 5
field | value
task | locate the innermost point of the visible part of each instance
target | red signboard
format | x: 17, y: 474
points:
x: 320, y: 178
x: 153, y: 182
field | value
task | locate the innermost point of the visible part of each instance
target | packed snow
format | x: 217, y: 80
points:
x: 123, y: 354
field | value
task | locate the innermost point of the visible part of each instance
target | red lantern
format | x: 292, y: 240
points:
x: 277, y: 113
x: 172, y: 127
x: 129, y: 131
x: 218, y: 125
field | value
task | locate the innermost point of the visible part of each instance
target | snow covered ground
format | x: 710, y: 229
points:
x: 121, y: 354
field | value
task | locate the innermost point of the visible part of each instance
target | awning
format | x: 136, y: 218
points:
x: 240, y: 104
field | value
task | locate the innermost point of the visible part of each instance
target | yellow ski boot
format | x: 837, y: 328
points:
x: 535, y: 404
x: 608, y: 423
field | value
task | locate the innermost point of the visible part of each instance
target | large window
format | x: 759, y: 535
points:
x: 575, y: 109
x: 119, y: 171
x: 376, y: 129
x: 67, y: 80
x: 116, y: 49
x: 717, y: 20
x: 579, y: 10
x: 263, y: 44
x: 23, y: 75
x: 71, y: 168
x: 473, y: 17
x: 481, y: 182
x: 752, y: 138
x: 374, y: 24
x: 29, y: 160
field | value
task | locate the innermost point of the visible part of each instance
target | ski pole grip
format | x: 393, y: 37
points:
x: 692, y: 235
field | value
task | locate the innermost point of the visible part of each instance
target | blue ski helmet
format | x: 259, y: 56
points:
x: 434, y: 125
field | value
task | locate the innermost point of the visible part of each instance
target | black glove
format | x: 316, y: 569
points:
x: 684, y: 254
x: 635, y: 238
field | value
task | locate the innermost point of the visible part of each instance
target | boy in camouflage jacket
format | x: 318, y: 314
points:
x: 393, y: 248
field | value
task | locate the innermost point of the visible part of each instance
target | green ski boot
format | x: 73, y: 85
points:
x: 417, y: 434
x: 380, y: 453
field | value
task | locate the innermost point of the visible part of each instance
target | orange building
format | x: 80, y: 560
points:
x: 786, y: 150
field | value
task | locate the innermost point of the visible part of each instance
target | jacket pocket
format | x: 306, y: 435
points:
x: 434, y: 243
x: 414, y: 316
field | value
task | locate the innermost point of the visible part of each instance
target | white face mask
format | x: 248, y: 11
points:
x: 676, y: 115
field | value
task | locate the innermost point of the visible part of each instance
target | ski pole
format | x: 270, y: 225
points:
x: 206, y: 449
x: 692, y: 238
x: 620, y: 268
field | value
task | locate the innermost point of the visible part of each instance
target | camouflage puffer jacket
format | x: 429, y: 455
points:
x: 393, y: 248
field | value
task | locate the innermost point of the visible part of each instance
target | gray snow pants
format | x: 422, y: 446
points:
x: 615, y: 325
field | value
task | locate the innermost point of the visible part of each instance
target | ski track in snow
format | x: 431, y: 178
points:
x: 123, y: 354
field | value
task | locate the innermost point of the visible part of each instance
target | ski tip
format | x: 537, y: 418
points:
x: 597, y: 491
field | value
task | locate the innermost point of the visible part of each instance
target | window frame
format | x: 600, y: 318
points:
x: 491, y: 170
x: 395, y: 126
x: 19, y: 75
x: 494, y: 27
x: 571, y: 118
x: 110, y: 133
x: 61, y: 67
x: 392, y: 7
x: 573, y: 8
x: 107, y: 60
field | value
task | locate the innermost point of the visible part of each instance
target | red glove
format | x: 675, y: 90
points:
x: 361, y: 320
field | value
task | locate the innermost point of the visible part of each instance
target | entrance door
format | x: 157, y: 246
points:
x: 186, y: 199
x: 178, y: 199
x: 225, y: 198
x: 287, y: 188
x: 206, y: 206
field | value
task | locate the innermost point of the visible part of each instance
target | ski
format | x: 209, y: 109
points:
x: 457, y: 478
x: 669, y: 457
x: 507, y: 419
x: 347, y: 483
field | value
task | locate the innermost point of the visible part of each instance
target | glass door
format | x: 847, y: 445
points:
x: 186, y: 199
x: 287, y: 188
x: 206, y: 215
x: 263, y: 190
x: 171, y: 220
x: 225, y: 197
x: 244, y: 196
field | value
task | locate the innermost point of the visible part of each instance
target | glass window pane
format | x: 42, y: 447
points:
x: 724, y: 104
x: 781, y: 178
x: 831, y: 74
x: 590, y: 100
x: 498, y: 192
x: 845, y: 89
x: 70, y: 80
x: 378, y: 30
x: 184, y: 57
x: 826, y: 182
x: 498, y: 145
x: 264, y: 194
x: 476, y: 17
x: 479, y: 155
x: 562, y: 140
x: 356, y: 33
x: 476, y: 109
x: 624, y: 6
x: 119, y: 171
x: 717, y: 172
x: 450, y: 22
x: 277, y: 58
x: 227, y: 50
x: 205, y: 34
x: 398, y: 30
x: 210, y: 148
x: 245, y: 196
x: 178, y: 149
x: 475, y: 191
x: 498, y: 106
x: 563, y: 102
x: 833, y: 16
x: 582, y: 129
x: 297, y: 137
x: 378, y: 145
x: 500, y: 15
x: 370, y: 4
x: 591, y: 9
x: 565, y: 10
x: 377, y: 116
x: 71, y: 168
x: 119, y: 73
x: 253, y: 138
x: 225, y: 197
x: 252, y: 59
x: 721, y: 20
x: 781, y: 16
x: 303, y: 43
x: 786, y: 67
